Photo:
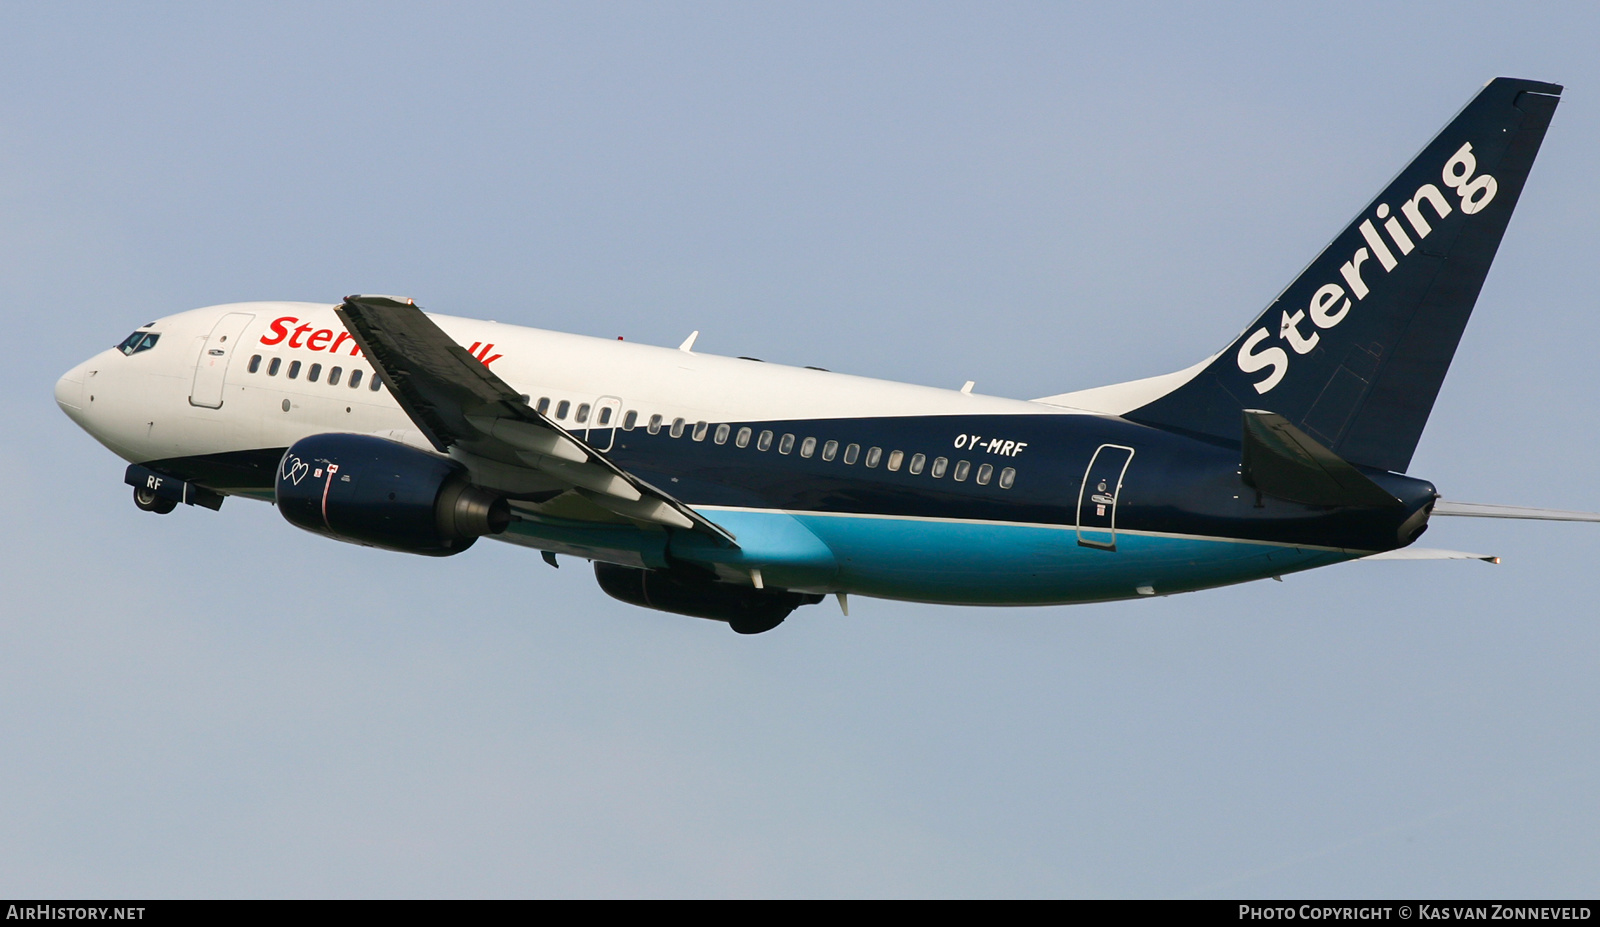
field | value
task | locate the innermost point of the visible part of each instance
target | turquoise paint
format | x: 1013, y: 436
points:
x: 778, y: 544
x: 950, y: 562
x: 991, y: 564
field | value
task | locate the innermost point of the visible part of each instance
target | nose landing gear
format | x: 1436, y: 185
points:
x: 160, y: 493
x: 148, y: 501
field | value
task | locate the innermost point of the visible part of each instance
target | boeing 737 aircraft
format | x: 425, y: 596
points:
x: 737, y: 490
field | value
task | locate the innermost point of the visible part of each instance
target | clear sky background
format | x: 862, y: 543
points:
x: 1038, y: 197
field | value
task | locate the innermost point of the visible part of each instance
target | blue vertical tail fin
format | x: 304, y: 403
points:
x: 1354, y: 351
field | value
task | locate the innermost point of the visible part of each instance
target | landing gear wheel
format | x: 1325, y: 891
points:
x: 148, y: 501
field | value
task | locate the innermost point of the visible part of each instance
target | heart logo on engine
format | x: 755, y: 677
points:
x: 295, y: 469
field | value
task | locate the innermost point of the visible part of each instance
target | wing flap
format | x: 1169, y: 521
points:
x: 529, y: 439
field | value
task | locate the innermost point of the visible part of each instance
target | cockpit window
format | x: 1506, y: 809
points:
x: 139, y: 341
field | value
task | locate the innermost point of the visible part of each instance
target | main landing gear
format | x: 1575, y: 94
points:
x: 148, y: 501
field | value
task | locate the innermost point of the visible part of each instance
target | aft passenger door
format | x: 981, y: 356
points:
x: 1097, y: 498
x: 211, y: 370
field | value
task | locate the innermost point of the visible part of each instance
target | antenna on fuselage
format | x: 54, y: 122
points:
x: 688, y: 343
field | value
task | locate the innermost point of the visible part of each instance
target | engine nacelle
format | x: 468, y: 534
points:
x: 746, y: 610
x: 378, y: 493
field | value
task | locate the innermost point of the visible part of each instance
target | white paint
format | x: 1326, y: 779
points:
x: 1121, y: 398
x: 143, y: 409
x: 1425, y: 553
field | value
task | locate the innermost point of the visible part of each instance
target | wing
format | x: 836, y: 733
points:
x: 466, y: 411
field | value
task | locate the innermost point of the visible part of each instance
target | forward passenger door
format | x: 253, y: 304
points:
x: 211, y: 371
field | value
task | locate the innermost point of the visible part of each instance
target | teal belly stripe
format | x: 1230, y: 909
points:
x: 980, y: 563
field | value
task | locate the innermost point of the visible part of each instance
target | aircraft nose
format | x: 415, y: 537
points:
x: 69, y: 389
x: 72, y: 394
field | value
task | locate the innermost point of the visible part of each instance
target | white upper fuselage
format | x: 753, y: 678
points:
x: 141, y: 406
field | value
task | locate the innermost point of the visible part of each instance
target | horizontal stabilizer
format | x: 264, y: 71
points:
x: 1281, y: 460
x: 1424, y: 553
x: 1484, y: 510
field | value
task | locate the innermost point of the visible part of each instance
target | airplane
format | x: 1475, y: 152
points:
x: 737, y: 490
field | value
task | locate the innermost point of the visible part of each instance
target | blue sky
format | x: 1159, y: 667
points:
x: 1038, y: 197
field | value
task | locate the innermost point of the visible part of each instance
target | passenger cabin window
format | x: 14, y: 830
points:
x: 918, y: 461
x: 272, y: 366
x: 764, y: 442
x: 985, y: 473
x: 962, y: 469
x: 355, y: 378
x: 294, y: 369
x: 743, y: 439
x: 655, y: 425
x: 314, y: 373
x: 677, y: 428
x: 583, y: 413
x: 604, y: 417
x: 721, y: 437
x: 630, y: 420
x: 377, y: 382
x: 786, y: 444
x: 544, y: 405
x: 700, y: 431
x: 895, y: 459
x: 333, y: 376
x: 830, y: 450
x: 874, y: 454
x: 255, y: 362
x: 561, y: 408
x: 138, y: 341
x: 808, y: 447
x: 1007, y: 477
x: 939, y: 466
x: 851, y: 453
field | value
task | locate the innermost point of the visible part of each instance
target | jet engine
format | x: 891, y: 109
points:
x: 746, y: 610
x: 378, y: 493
